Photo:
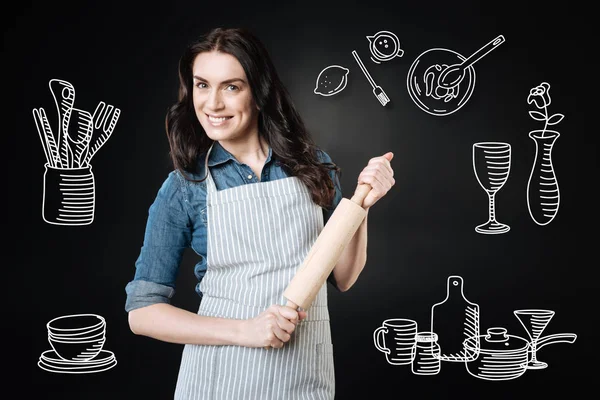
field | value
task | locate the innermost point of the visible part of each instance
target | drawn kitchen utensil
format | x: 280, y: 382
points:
x: 454, y: 74
x: 105, y: 119
x: 47, y: 137
x: 79, y: 134
x: 453, y: 320
x: 377, y: 90
x: 502, y: 356
x: 64, y: 98
x: 535, y: 321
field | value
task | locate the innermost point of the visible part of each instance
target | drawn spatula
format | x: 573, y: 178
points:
x: 455, y: 73
x: 64, y: 98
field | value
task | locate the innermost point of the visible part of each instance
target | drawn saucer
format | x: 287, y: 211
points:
x: 50, y: 361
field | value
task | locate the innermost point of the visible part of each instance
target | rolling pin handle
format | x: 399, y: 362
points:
x: 361, y: 193
x: 291, y: 305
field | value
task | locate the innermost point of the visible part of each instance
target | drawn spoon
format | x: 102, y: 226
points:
x: 455, y: 73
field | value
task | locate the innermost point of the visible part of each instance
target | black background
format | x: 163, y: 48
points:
x: 419, y: 234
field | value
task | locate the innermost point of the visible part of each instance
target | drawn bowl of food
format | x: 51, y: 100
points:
x: 423, y: 82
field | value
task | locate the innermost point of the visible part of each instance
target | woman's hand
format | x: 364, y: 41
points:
x: 271, y: 328
x: 380, y: 176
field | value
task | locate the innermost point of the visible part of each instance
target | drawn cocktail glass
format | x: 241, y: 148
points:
x: 491, y: 164
x: 534, y: 322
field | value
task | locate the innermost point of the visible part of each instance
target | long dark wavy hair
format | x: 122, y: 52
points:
x: 279, y: 123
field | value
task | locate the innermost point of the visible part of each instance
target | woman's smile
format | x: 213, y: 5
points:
x: 218, y: 121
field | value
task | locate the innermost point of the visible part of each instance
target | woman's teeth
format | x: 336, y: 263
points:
x: 217, y: 120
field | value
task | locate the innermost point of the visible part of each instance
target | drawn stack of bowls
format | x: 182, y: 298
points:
x: 77, y: 345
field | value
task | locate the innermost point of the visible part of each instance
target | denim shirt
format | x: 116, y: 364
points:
x: 177, y: 220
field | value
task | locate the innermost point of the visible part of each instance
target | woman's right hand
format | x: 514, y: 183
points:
x: 271, y: 328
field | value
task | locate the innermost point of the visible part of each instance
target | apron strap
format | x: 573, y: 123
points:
x: 210, y: 184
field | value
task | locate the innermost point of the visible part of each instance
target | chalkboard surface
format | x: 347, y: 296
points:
x: 537, y: 255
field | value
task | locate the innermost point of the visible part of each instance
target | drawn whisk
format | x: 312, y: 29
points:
x: 377, y: 90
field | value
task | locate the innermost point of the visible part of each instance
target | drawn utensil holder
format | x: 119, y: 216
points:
x: 69, y: 196
x: 542, y: 188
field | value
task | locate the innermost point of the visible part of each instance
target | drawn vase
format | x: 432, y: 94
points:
x: 69, y: 196
x: 543, y: 196
x: 454, y: 320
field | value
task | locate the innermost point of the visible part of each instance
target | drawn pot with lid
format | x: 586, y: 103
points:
x: 502, y: 356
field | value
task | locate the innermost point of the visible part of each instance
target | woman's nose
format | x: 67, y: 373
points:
x: 214, y: 100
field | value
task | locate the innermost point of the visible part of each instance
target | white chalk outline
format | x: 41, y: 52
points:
x: 470, y: 325
x: 549, y: 193
x: 435, y: 82
x: 405, y: 336
x: 377, y: 90
x: 70, y: 152
x: 445, y: 98
x: 539, y: 319
x: 459, y: 68
x: 429, y: 363
x: 91, y: 358
x: 379, y: 56
x: 496, y: 365
x: 323, y: 75
x: 495, y: 160
x: 480, y: 361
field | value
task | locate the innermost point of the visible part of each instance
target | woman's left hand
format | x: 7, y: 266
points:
x: 380, y: 176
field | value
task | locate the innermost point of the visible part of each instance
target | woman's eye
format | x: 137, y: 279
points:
x: 232, y: 87
x: 201, y: 85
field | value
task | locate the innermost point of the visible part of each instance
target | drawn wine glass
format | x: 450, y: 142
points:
x: 534, y: 322
x: 491, y: 164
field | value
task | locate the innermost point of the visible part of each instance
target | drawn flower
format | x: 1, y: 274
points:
x: 540, y: 96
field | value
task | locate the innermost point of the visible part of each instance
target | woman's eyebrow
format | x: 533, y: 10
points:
x: 225, y: 81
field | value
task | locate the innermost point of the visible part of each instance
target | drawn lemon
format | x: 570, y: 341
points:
x: 331, y: 80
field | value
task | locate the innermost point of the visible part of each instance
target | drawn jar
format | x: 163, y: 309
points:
x: 427, y: 354
x: 68, y: 196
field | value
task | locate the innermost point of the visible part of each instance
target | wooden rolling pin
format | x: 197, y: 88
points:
x: 327, y: 249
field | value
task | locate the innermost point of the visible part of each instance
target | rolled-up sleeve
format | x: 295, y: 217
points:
x: 168, y: 233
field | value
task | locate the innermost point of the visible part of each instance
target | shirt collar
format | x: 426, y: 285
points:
x: 218, y: 155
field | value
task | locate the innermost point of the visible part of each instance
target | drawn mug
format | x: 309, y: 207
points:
x: 397, y: 339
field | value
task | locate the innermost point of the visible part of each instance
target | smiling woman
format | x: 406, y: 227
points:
x: 250, y: 194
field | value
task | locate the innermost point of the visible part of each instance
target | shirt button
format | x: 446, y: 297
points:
x: 249, y: 176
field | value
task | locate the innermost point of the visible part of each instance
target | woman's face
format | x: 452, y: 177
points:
x: 222, y: 97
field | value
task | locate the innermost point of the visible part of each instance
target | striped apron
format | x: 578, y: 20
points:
x: 258, y: 235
